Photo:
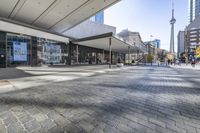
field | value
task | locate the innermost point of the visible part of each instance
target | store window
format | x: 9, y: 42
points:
x: 33, y: 51
x: 52, y: 52
x: 18, y: 50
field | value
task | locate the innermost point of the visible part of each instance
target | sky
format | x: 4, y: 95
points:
x: 149, y: 17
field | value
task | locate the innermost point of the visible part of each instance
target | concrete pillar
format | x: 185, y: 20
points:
x: 110, y: 53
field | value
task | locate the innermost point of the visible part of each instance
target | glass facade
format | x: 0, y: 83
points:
x: 51, y: 52
x: 194, y: 9
x: 99, y: 18
x: 18, y: 50
x: 88, y: 55
x: 22, y: 50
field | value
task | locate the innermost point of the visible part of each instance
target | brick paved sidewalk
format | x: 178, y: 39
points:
x: 138, y: 100
x: 24, y: 77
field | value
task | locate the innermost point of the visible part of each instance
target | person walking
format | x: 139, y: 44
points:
x: 158, y: 62
x: 168, y: 62
x: 193, y: 62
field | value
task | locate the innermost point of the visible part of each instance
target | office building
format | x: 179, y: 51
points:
x: 192, y: 38
x: 155, y: 42
x: 181, y: 43
x: 135, y: 39
x: 98, y: 18
x: 194, y: 9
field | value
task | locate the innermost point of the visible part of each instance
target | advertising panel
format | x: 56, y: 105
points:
x: 20, y: 51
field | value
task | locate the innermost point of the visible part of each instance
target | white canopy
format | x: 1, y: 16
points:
x: 53, y: 15
x: 102, y: 42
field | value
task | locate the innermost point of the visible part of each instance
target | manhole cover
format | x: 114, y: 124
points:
x: 3, y: 82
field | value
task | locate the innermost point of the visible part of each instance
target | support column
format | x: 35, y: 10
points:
x: 129, y: 51
x: 103, y: 57
x: 6, y: 50
x: 124, y: 59
x: 138, y: 54
x: 110, y: 53
x: 69, y: 60
x: 146, y: 59
x: 31, y: 52
x: 34, y: 57
x: 77, y: 54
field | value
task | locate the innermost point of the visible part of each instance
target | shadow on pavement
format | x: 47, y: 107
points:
x: 12, y: 73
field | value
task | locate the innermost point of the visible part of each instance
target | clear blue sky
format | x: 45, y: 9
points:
x: 149, y: 17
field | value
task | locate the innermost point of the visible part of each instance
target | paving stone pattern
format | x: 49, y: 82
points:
x: 138, y: 100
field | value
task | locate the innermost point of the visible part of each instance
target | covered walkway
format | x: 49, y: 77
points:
x: 108, y: 42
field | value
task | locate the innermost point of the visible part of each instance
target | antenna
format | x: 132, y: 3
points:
x: 172, y: 8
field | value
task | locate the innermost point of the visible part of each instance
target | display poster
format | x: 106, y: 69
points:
x: 20, y: 51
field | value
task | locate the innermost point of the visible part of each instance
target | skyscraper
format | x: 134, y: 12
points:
x: 194, y: 9
x: 99, y: 18
x: 181, y: 43
x: 172, y: 22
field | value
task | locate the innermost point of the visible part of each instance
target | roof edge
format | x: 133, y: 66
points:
x: 32, y: 27
x: 109, y: 34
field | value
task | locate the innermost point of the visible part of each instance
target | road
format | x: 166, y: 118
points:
x: 139, y: 100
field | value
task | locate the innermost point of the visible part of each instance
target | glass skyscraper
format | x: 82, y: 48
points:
x: 194, y: 9
x: 99, y: 18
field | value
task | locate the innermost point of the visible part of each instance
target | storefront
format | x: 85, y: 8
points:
x: 103, y: 49
x: 87, y: 55
x: 23, y: 50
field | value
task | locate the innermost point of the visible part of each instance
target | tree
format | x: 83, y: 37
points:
x: 183, y: 57
x: 149, y: 58
x: 198, y: 52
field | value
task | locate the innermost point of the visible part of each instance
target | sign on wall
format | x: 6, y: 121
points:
x: 20, y: 51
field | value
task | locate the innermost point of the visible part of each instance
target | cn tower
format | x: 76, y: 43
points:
x: 172, y: 22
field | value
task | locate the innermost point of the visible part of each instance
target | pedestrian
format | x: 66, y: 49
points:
x: 158, y: 62
x: 193, y: 62
x: 168, y: 62
x: 171, y: 61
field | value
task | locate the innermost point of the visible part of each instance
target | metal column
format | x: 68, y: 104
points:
x: 103, y: 57
x: 129, y: 55
x: 77, y: 54
x: 110, y: 53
